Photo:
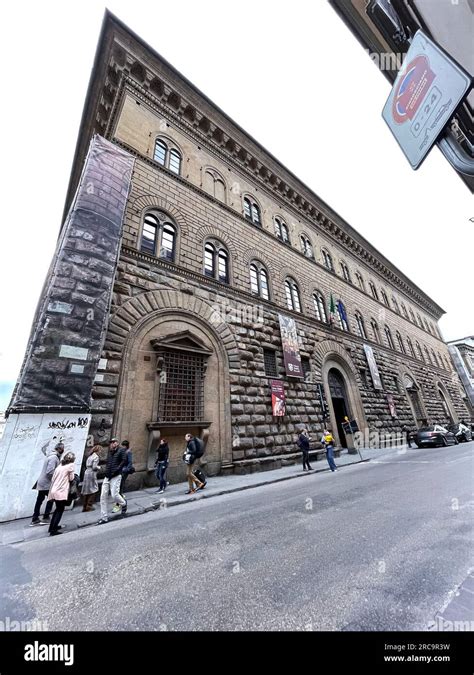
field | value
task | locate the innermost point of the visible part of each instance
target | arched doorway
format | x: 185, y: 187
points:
x: 416, y: 403
x: 340, y: 402
x: 449, y: 413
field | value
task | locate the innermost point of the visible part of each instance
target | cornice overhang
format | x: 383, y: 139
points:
x: 123, y: 59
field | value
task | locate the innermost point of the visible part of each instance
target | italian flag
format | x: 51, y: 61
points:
x: 332, y: 311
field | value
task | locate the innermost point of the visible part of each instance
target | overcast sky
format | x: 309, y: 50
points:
x: 291, y: 74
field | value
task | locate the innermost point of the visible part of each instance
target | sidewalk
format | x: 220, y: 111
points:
x: 142, y: 501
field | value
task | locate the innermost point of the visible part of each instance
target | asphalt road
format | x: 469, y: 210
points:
x: 376, y: 546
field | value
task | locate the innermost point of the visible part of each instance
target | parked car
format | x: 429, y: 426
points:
x: 461, y: 431
x: 434, y: 435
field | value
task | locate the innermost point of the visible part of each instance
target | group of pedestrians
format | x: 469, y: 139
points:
x: 327, y: 440
x: 57, y: 477
x: 54, y: 484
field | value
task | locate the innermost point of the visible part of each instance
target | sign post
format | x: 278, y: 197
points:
x: 427, y: 91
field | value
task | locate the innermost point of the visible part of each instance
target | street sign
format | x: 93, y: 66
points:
x: 428, y: 89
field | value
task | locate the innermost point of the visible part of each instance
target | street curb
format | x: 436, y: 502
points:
x: 157, y: 506
x: 202, y: 495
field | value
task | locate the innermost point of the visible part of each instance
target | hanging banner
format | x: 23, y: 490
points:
x: 278, y: 398
x: 374, y: 371
x: 391, y: 405
x: 291, y: 348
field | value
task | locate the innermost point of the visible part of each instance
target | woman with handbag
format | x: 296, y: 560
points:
x: 59, y: 491
x: 90, y: 486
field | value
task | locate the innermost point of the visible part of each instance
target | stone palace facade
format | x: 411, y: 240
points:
x: 212, y: 241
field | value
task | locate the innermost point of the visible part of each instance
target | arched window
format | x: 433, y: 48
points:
x: 216, y: 261
x: 373, y: 290
x: 360, y: 281
x: 375, y: 331
x: 320, y: 307
x: 440, y: 361
x: 427, y: 355
x: 292, y: 294
x: 410, y: 347
x: 448, y: 363
x: 214, y: 184
x: 167, y: 156
x: 418, y: 351
x: 404, y: 310
x: 281, y: 230
x: 327, y: 260
x: 345, y: 272
x: 259, y: 280
x: 306, y: 246
x: 159, y: 235
x: 395, y: 304
x: 361, y: 326
x: 252, y: 211
x: 420, y: 322
x: 342, y: 316
x: 388, y: 337
x: 434, y: 358
x: 400, y: 343
x: 384, y: 297
x: 161, y: 150
x: 412, y: 316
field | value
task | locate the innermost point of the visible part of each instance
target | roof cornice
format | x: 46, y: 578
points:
x: 124, y: 56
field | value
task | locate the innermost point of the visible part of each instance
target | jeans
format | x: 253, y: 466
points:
x: 161, y: 473
x: 42, y: 495
x: 112, y: 484
x: 330, y: 457
x: 57, y: 515
x: 306, y: 459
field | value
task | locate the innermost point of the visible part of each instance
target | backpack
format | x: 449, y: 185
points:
x: 199, y: 445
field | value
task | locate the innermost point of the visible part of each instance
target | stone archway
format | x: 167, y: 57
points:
x: 337, y: 369
x: 448, y: 408
x: 415, y: 399
x: 178, y: 324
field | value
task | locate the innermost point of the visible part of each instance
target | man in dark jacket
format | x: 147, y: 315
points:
x: 303, y: 444
x: 116, y: 460
x: 192, y: 456
x: 44, y: 483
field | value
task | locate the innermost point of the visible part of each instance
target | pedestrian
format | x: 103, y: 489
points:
x: 116, y: 460
x: 407, y: 433
x: 328, y: 441
x: 128, y: 468
x: 192, y: 455
x: 303, y: 444
x: 59, y: 491
x: 90, y: 486
x: 44, y: 483
x: 161, y: 464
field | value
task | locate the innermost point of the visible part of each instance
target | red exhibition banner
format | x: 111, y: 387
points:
x: 278, y: 398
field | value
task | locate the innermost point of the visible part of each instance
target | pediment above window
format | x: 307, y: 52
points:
x: 184, y: 341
